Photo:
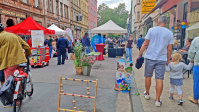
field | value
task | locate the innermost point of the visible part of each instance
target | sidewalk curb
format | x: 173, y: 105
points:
x: 135, y: 101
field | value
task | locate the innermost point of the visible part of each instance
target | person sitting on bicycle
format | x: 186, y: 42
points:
x: 11, y: 50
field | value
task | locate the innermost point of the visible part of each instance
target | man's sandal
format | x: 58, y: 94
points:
x: 192, y: 100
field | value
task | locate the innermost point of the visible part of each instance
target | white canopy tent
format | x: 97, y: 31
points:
x: 58, y: 31
x: 193, y: 27
x: 109, y: 28
x: 193, y: 31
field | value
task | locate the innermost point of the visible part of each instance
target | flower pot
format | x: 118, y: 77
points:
x: 86, y: 70
x: 79, y: 70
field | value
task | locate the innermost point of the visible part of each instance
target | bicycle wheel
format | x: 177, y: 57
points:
x: 29, y: 85
x: 17, y: 105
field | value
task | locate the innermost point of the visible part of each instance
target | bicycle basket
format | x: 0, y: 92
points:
x: 7, y: 91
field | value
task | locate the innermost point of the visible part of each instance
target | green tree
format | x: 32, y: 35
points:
x: 118, y: 15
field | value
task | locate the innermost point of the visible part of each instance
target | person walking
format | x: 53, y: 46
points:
x: 128, y: 48
x: 140, y: 41
x: 86, y: 42
x: 67, y: 50
x: 11, y: 51
x: 50, y: 44
x: 158, y: 42
x: 193, y: 54
x: 62, y: 46
x: 176, y: 75
x: 69, y: 45
x: 46, y: 42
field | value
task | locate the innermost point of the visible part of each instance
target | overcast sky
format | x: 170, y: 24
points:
x: 115, y: 3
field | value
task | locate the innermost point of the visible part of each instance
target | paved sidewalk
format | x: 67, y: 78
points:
x: 168, y: 105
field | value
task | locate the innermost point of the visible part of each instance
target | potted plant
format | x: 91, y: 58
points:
x: 87, y: 62
x: 77, y: 48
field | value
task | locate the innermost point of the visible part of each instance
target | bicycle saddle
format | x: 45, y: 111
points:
x: 23, y: 65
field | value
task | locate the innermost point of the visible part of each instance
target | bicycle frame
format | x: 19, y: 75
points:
x: 16, y: 92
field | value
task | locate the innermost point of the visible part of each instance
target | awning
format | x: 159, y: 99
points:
x: 58, y: 31
x: 148, y: 20
x: 109, y: 28
x: 193, y: 27
x: 25, y: 27
x: 159, y: 5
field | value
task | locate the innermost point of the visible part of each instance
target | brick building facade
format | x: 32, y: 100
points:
x: 92, y: 14
x: 45, y: 12
x: 13, y: 12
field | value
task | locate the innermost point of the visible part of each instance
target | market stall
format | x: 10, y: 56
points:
x: 25, y: 27
x: 58, y: 31
x: 124, y: 69
x: 111, y: 28
x: 40, y: 53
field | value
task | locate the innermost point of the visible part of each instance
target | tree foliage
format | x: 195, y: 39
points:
x: 118, y: 15
x: 112, y: 35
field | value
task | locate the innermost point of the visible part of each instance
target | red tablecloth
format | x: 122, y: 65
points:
x: 100, y: 48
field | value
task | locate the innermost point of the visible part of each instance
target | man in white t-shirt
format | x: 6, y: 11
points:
x: 158, y: 42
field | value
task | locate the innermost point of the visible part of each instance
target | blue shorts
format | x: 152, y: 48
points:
x: 2, y: 78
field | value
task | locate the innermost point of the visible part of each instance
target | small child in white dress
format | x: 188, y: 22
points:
x: 176, y: 75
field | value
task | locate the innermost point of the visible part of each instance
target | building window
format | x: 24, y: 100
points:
x: 25, y: 1
x: 66, y: 11
x: 37, y: 3
x: 47, y: 5
x: 51, y: 5
x: 138, y: 16
x: 61, y: 9
x: 57, y: 7
x: 71, y: 14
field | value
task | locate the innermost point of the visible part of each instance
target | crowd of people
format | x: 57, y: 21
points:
x: 162, y: 55
x: 60, y: 47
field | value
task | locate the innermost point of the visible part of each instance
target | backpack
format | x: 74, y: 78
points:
x: 7, y: 91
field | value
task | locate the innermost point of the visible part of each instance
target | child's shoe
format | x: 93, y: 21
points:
x: 171, y: 98
x: 180, y: 102
x: 158, y: 103
x: 146, y: 96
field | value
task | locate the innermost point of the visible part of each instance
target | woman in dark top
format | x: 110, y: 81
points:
x: 86, y: 42
x: 128, y: 48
